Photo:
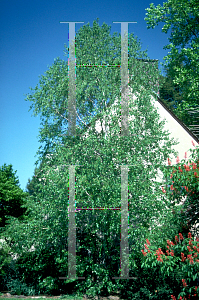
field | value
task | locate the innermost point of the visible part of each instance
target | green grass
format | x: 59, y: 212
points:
x: 65, y: 297
x: 21, y: 298
x: 70, y: 297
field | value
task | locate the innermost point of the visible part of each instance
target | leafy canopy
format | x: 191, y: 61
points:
x: 96, y: 87
x: 181, y: 21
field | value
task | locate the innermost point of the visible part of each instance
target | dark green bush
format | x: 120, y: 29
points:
x: 40, y: 270
x: 149, y: 283
x: 38, y: 273
x: 16, y: 287
x: 5, y: 260
x: 11, y: 279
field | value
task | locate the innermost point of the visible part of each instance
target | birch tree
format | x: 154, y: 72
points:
x: 98, y: 157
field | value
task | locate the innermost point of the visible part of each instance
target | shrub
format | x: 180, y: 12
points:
x: 48, y: 285
x: 149, y: 283
x: 16, y: 287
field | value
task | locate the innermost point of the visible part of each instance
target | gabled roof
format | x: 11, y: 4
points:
x: 178, y: 120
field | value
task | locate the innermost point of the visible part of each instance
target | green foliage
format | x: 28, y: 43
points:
x: 48, y: 285
x: 98, y: 173
x: 10, y: 277
x: 169, y: 93
x: 185, y: 174
x: 5, y: 260
x: 151, y: 284
x: 17, y: 288
x: 172, y: 96
x: 12, y: 197
x: 32, y: 184
x: 181, y: 21
x: 96, y: 87
x: 173, y: 265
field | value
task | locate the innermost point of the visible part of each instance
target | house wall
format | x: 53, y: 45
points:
x: 176, y: 131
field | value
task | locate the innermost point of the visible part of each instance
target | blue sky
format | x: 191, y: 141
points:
x: 31, y: 37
